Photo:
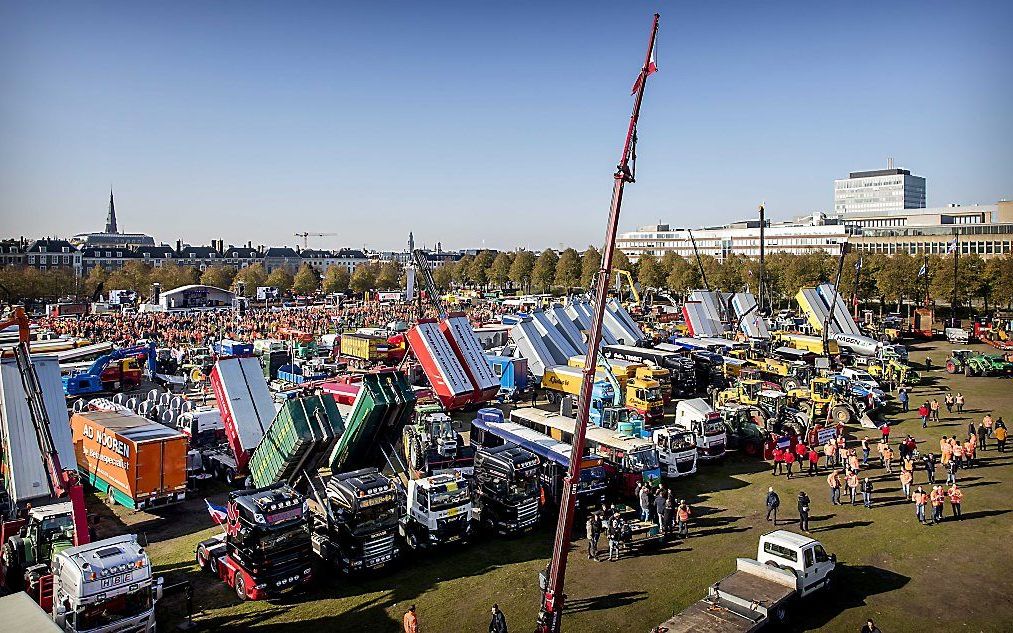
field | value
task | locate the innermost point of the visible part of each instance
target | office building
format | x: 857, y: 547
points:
x: 879, y: 190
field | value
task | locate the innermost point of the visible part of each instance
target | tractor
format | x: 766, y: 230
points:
x: 978, y: 364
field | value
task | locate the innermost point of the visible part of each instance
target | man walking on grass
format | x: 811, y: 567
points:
x: 773, y: 501
x: 803, y: 511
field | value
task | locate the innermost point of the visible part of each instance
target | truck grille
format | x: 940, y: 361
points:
x: 527, y: 511
x: 683, y: 465
x: 715, y: 449
x: 374, y: 547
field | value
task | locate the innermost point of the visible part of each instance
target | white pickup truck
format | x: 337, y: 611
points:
x: 787, y: 566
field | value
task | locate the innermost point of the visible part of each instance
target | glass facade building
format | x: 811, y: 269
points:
x: 880, y: 190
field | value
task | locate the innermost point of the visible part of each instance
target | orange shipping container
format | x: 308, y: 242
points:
x: 137, y: 462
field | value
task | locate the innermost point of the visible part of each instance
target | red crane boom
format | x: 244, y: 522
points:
x: 550, y: 616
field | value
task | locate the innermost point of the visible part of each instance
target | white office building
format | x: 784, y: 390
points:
x: 879, y: 190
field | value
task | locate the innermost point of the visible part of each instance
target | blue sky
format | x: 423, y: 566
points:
x: 484, y: 123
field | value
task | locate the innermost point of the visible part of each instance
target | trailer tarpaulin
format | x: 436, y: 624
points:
x: 748, y: 315
x: 554, y: 340
x: 469, y: 352
x: 440, y: 364
x: 529, y: 345
x: 623, y: 317
x: 841, y: 317
x: 26, y: 476
x: 562, y: 321
x: 698, y: 320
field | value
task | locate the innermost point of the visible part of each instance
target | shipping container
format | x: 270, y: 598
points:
x: 245, y: 404
x: 440, y: 364
x: 302, y: 435
x: 465, y: 344
x: 138, y: 463
x: 24, y: 473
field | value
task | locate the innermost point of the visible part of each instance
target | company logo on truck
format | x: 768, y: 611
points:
x: 107, y: 441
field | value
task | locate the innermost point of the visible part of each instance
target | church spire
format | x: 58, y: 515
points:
x: 111, y: 216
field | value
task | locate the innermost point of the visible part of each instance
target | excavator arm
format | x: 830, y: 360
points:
x: 20, y: 319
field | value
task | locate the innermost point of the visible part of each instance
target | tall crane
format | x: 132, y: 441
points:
x: 305, y: 235
x: 425, y: 271
x: 551, y: 612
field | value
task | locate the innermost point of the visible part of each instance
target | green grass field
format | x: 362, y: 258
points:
x: 906, y: 576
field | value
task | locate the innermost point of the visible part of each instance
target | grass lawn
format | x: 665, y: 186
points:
x: 906, y: 576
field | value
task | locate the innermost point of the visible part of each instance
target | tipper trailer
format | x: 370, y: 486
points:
x: 759, y: 592
x: 137, y: 463
x: 245, y: 403
x: 301, y: 437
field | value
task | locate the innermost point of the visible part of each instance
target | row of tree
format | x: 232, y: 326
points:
x: 888, y: 279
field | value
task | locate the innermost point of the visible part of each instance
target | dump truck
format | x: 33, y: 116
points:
x: 246, y: 406
x: 106, y: 585
x: 137, y: 463
x: 361, y: 350
x: 299, y: 440
x: 759, y: 592
x: 210, y: 455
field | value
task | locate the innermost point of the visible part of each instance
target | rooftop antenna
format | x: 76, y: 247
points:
x: 889, y: 162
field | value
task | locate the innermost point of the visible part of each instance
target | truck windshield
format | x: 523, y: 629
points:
x: 642, y: 459
x: 524, y: 485
x: 713, y: 428
x: 279, y: 538
x: 107, y: 612
x: 57, y: 523
x: 442, y: 500
x: 375, y: 518
x: 654, y: 393
x: 591, y: 478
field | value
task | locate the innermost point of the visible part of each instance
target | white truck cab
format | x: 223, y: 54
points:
x: 439, y: 510
x: 801, y: 555
x: 105, y: 586
x: 677, y: 451
x: 698, y: 417
x: 861, y: 377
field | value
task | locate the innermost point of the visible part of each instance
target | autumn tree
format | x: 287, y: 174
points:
x: 521, y: 269
x: 443, y: 276
x: 281, y: 279
x: 462, y: 270
x: 336, y: 279
x: 389, y: 275
x: 364, y: 277
x: 96, y: 279
x: 568, y: 269
x: 590, y: 264
x: 478, y: 269
x: 252, y: 277
x: 499, y: 271
x: 683, y: 276
x: 649, y: 271
x: 218, y: 276
x: 544, y: 271
x: 306, y: 280
x: 134, y: 276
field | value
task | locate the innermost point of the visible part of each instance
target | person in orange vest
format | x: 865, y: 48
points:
x: 906, y: 477
x: 411, y: 621
x: 920, y: 499
x: 956, y: 497
x: 958, y: 454
x: 947, y: 451
x: 682, y: 516
x: 888, y: 459
x: 1000, y: 438
x: 834, y: 481
x: 937, y: 497
x: 853, y: 461
x: 969, y: 453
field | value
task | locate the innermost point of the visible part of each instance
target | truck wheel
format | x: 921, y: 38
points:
x: 241, y: 588
x: 412, y: 540
x: 780, y: 615
x: 202, y: 558
x: 790, y: 384
x: 841, y: 414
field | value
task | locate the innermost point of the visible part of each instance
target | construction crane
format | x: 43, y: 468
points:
x: 305, y: 235
x: 425, y: 271
x: 551, y: 612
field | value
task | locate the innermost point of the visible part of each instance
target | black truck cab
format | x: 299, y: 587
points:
x: 506, y: 495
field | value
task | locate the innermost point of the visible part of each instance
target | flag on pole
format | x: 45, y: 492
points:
x: 922, y: 270
x: 951, y: 247
x: 218, y: 513
x: 858, y: 264
x: 652, y: 67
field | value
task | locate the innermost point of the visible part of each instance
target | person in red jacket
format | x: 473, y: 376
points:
x: 778, y: 460
x: 814, y: 462
x: 789, y: 461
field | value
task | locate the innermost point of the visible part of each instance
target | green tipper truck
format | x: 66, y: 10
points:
x: 301, y: 436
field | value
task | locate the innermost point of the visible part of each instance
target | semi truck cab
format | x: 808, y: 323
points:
x: 677, y: 452
x: 506, y: 494
x: 705, y: 423
x: 438, y: 511
x: 266, y: 547
x: 105, y: 586
x: 357, y: 527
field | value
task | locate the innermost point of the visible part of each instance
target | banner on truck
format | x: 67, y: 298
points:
x: 826, y: 434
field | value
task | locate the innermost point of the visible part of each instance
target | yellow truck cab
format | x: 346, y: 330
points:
x: 806, y: 342
x: 641, y: 373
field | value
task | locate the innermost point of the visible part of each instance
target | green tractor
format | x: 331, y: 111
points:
x: 978, y: 364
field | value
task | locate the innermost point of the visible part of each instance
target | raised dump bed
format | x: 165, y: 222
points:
x: 443, y: 369
x: 302, y: 435
x: 465, y: 344
x: 384, y: 404
x: 245, y: 403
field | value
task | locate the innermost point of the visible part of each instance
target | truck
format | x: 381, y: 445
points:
x: 137, y: 463
x: 699, y: 418
x: 759, y: 592
x: 437, y: 511
x: 490, y: 430
x: 245, y: 404
x: 628, y: 459
x: 117, y: 370
x: 355, y: 519
x: 361, y: 350
x: 506, y: 489
x: 209, y: 454
x: 21, y: 613
x: 266, y: 547
x: 299, y: 440
x: 640, y: 396
x: 431, y: 445
x: 105, y: 586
